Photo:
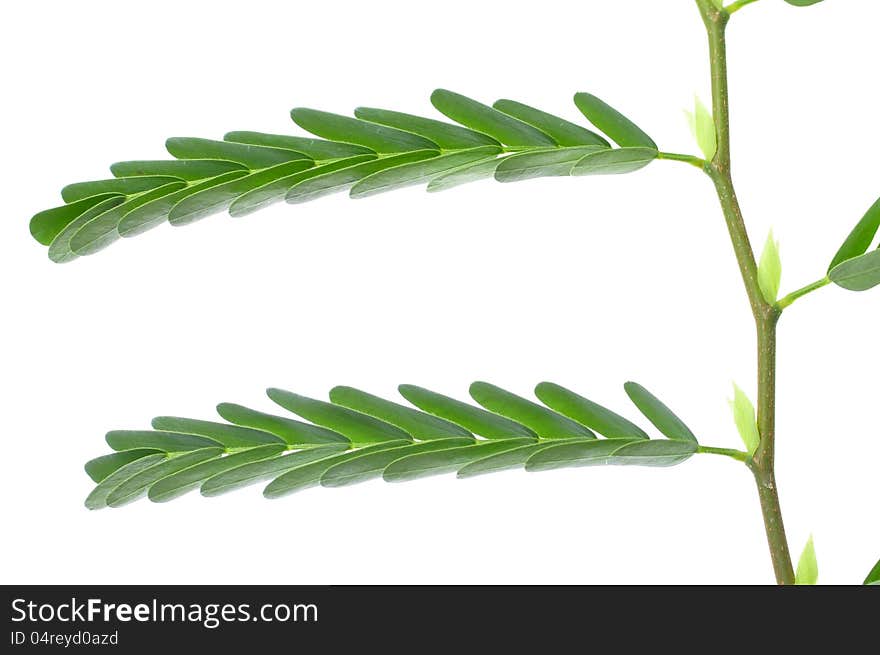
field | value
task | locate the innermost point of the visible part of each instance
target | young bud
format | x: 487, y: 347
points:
x: 703, y: 128
x: 770, y: 270
x: 807, y: 568
x: 744, y: 417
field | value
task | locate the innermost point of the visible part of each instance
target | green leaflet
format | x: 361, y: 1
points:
x: 247, y: 474
x: 421, y: 465
x: 49, y: 223
x: 565, y: 133
x: 291, y: 431
x: 190, y: 170
x: 586, y: 412
x: 420, y: 425
x: 97, y: 499
x: 59, y: 249
x: 803, y: 3
x: 231, y: 436
x: 323, y: 185
x: 544, y: 422
x: 614, y: 162
x: 480, y: 170
x: 508, y: 459
x: 353, y: 130
x: 658, y: 452
x: 317, y: 149
x: 138, y: 484
x: 808, y: 568
x: 102, y: 230
x: 445, y: 135
x: 744, y: 418
x: 103, y: 467
x: 589, y: 453
x: 859, y: 240
x: 150, y: 214
x: 874, y: 576
x: 770, y: 270
x: 414, y: 173
x: 177, y: 484
x: 359, y: 428
x: 252, y: 157
x: 663, y: 418
x: 487, y: 120
x: 169, y: 442
x: 218, y: 197
x: 545, y: 163
x: 858, y: 274
x: 309, y: 475
x: 357, y: 468
x: 611, y: 122
x: 123, y: 185
x: 276, y: 191
x: 479, y: 421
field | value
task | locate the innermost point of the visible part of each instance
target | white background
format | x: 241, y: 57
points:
x: 586, y: 282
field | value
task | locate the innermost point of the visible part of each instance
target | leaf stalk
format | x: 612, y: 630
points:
x: 734, y: 7
x: 803, y: 291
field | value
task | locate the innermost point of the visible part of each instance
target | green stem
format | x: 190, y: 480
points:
x: 766, y: 316
x: 803, y: 291
x: 734, y: 7
x: 738, y: 455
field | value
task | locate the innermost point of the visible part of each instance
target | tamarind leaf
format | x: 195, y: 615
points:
x: 358, y: 437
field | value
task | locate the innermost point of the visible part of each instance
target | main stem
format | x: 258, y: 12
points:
x: 766, y: 315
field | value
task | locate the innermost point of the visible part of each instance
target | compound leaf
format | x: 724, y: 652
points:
x: 375, y: 151
x: 358, y: 437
